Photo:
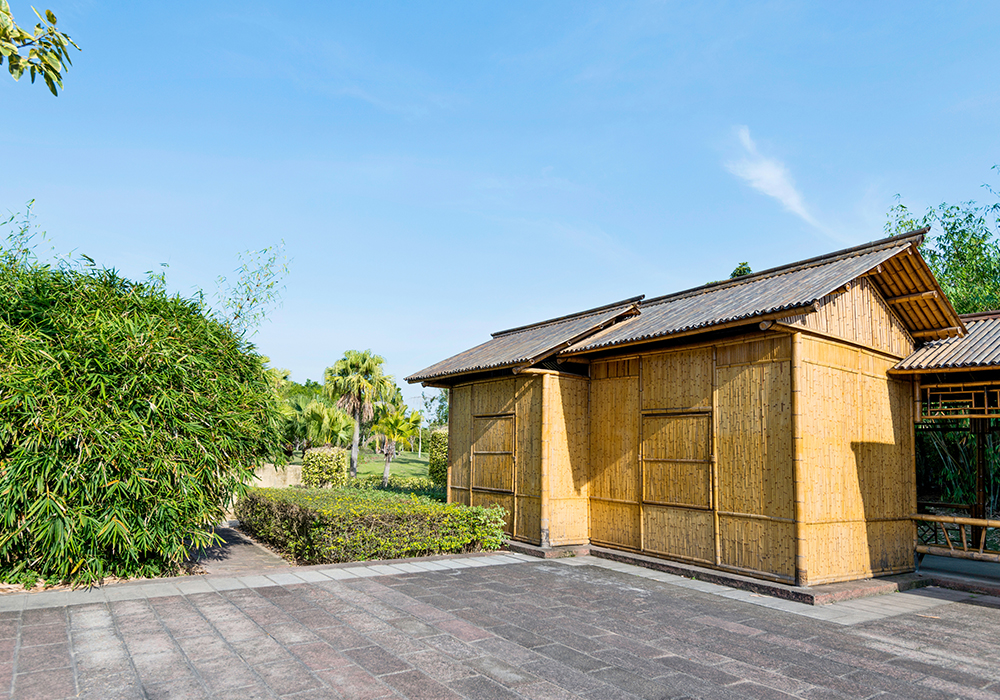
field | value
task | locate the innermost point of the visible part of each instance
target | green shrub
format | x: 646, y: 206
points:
x: 321, y: 526
x: 416, y: 485
x: 128, y: 418
x: 437, y: 456
x: 325, y: 466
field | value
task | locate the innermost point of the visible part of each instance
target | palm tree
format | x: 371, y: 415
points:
x: 357, y: 383
x: 295, y: 412
x: 394, y: 428
x: 328, y: 425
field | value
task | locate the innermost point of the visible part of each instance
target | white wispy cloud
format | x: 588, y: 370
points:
x: 769, y: 176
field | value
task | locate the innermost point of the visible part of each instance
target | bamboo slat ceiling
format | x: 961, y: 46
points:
x: 894, y: 266
x: 527, y: 344
x: 980, y: 349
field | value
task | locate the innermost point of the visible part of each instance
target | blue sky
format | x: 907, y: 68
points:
x: 439, y: 171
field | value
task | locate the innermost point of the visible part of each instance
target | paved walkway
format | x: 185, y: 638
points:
x: 498, y: 626
x: 238, y: 554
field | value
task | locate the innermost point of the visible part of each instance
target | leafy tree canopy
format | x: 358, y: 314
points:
x: 741, y: 270
x: 47, y: 48
x: 436, y: 407
x: 963, y: 249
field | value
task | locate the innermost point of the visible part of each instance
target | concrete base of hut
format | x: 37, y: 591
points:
x: 961, y: 575
x: 532, y: 550
x: 813, y: 595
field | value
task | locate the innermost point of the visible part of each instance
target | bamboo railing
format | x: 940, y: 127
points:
x: 962, y: 538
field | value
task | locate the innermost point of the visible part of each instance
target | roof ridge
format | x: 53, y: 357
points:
x: 980, y: 316
x: 872, y: 247
x: 569, y: 317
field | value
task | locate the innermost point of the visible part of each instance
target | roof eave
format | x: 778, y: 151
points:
x: 520, y: 364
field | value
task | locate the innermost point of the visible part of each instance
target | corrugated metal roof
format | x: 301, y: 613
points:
x: 771, y: 291
x: 527, y: 343
x: 893, y: 264
x: 979, y: 349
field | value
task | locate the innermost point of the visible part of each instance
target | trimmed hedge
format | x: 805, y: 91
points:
x: 415, y: 485
x: 326, y: 526
x: 325, y: 466
x: 437, y: 454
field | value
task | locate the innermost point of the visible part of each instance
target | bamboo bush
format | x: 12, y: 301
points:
x: 128, y: 418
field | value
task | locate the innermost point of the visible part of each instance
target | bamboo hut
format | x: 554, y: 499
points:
x: 750, y: 425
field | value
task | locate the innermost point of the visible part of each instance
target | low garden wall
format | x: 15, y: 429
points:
x: 269, y: 477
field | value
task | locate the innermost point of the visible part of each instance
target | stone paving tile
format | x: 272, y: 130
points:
x: 44, y: 684
x: 354, y: 682
x: 493, y: 629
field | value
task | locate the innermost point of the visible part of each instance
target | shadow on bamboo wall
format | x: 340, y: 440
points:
x: 884, y: 538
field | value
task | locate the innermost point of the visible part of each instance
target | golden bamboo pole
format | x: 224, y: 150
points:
x: 798, y: 465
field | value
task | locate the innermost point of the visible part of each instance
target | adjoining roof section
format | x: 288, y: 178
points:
x: 980, y: 349
x: 908, y: 285
x: 527, y: 345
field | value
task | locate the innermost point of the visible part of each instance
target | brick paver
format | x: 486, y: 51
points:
x: 541, y: 629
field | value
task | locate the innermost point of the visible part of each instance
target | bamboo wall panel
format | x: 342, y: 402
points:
x: 487, y: 499
x: 677, y: 380
x: 677, y: 460
x: 493, y: 472
x: 459, y: 443
x: 493, y: 434
x: 527, y: 523
x: 857, y: 455
x: 614, y: 443
x: 528, y: 459
x: 568, y: 460
x: 753, y: 442
x: 754, y: 453
x: 862, y: 316
x: 679, y: 532
x: 852, y: 550
x: 614, y: 461
x: 528, y: 450
x: 615, y: 369
x: 762, y: 351
x: 758, y: 546
x: 615, y: 524
x: 493, y: 397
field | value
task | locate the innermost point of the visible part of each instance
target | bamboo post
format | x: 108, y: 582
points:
x: 917, y: 413
x: 980, y: 428
x: 641, y: 486
x: 546, y: 427
x: 451, y: 431
x: 715, y: 459
x: 798, y: 465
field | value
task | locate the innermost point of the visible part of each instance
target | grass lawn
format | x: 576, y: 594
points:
x: 405, y: 464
